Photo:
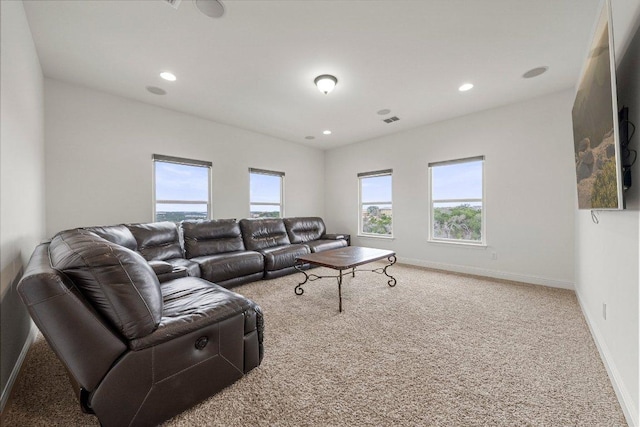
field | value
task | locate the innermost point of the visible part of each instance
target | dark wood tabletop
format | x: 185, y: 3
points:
x: 347, y: 257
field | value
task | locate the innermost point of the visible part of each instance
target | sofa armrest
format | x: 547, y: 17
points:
x: 346, y: 237
x: 175, y: 273
x: 160, y: 267
x: 333, y: 236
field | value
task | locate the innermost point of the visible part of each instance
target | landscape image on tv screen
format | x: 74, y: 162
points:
x: 594, y: 128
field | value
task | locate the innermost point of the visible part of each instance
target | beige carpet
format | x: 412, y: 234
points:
x: 437, y: 350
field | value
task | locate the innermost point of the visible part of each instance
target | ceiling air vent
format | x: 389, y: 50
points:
x: 173, y: 3
x: 391, y: 119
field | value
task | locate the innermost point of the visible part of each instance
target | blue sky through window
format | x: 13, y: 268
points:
x: 181, y: 182
x: 264, y: 188
x: 376, y: 189
x: 264, y: 208
x: 457, y: 181
x: 166, y: 207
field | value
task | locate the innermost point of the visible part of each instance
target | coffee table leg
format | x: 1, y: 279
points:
x: 392, y: 280
x: 298, y: 289
x: 340, y: 291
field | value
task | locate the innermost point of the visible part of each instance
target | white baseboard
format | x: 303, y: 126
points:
x: 31, y: 336
x: 536, y: 280
x: 626, y: 402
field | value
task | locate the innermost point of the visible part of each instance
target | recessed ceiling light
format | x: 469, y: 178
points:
x: 383, y: 112
x: 326, y: 132
x: 156, y: 90
x: 535, y: 72
x: 310, y: 137
x: 168, y: 76
x: 465, y: 87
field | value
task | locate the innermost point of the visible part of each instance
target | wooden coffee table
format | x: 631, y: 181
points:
x: 348, y: 258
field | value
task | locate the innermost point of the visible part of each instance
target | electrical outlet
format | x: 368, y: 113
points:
x: 494, y: 255
x: 604, y: 311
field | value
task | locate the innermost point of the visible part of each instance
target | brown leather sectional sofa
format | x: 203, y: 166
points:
x: 140, y: 316
x: 224, y: 251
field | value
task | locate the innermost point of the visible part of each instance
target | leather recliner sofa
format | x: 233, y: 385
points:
x: 140, y: 316
x: 218, y: 249
x: 137, y: 351
x: 224, y: 251
x: 281, y: 241
x: 158, y: 243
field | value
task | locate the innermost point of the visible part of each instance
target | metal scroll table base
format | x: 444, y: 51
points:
x: 310, y: 277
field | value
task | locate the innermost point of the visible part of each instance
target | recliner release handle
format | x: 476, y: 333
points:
x: 202, y: 342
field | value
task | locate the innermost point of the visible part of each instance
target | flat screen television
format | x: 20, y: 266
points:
x: 595, y: 124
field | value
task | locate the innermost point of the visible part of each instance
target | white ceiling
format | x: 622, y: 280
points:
x: 254, y: 67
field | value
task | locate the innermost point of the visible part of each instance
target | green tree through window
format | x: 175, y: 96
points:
x: 376, y: 213
x: 457, y: 200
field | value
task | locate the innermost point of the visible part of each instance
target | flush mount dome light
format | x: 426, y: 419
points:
x: 168, y: 76
x: 326, y: 132
x: 465, y: 87
x: 211, y: 8
x: 326, y: 83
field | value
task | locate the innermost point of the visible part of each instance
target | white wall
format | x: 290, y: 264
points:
x: 607, y: 254
x: 529, y: 190
x: 99, y: 168
x: 21, y: 180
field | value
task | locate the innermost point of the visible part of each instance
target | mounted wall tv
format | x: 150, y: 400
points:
x: 595, y: 124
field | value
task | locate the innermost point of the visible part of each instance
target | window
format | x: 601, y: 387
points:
x: 376, y: 216
x: 265, y: 193
x: 457, y: 213
x: 182, y: 189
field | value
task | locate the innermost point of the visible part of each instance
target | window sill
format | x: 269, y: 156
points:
x: 373, y: 236
x: 459, y: 243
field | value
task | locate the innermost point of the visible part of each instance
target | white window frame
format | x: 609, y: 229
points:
x: 188, y: 162
x: 432, y: 202
x: 373, y: 174
x: 271, y: 173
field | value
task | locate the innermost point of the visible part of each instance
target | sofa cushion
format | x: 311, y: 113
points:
x: 304, y: 229
x: 211, y: 237
x: 283, y: 256
x: 221, y: 267
x: 117, y: 281
x: 325, y: 245
x: 118, y: 234
x: 263, y: 233
x: 158, y: 240
x: 190, y: 304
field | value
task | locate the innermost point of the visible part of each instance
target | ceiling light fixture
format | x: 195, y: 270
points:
x: 465, y: 87
x: 326, y: 83
x: 168, y: 76
x: 326, y: 132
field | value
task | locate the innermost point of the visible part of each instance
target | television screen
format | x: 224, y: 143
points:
x: 595, y: 124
